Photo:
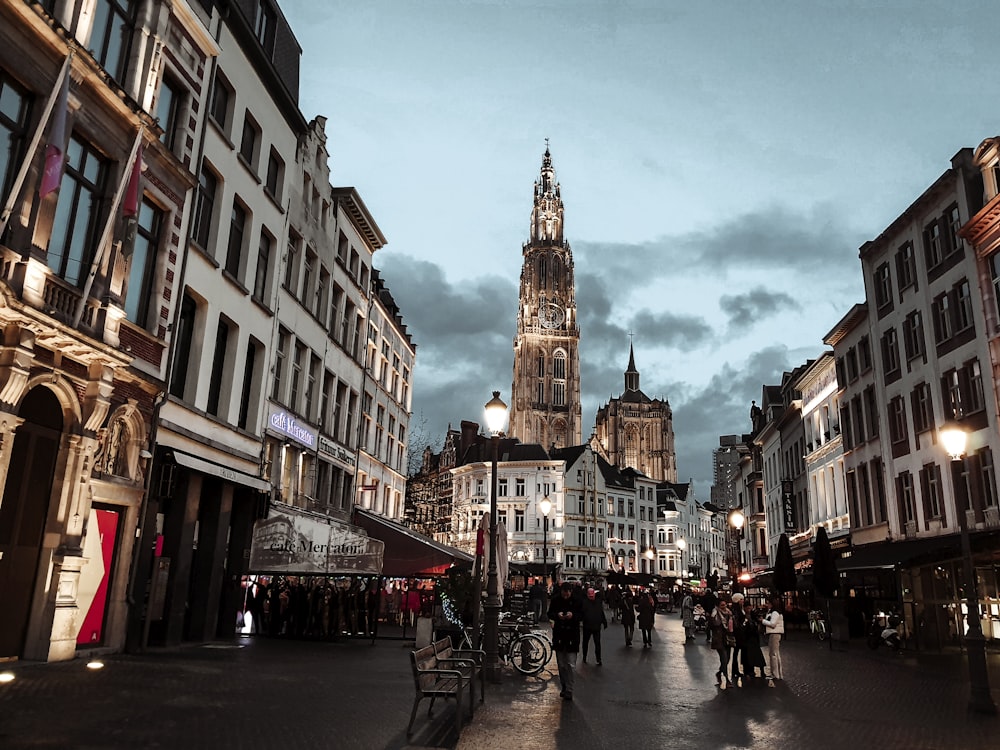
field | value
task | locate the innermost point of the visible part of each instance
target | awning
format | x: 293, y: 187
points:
x: 407, y: 553
x: 904, y: 553
x: 219, y: 470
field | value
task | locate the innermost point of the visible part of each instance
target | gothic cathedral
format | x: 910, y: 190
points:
x: 545, y: 395
x: 638, y: 431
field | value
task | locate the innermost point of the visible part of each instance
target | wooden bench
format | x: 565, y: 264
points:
x: 431, y: 680
x: 470, y: 661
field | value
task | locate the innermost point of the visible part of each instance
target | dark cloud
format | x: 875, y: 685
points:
x: 745, y: 310
x: 776, y: 238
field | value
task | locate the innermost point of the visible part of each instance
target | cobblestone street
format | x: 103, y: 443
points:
x: 268, y: 693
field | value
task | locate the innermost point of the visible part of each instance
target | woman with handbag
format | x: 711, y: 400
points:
x: 723, y: 639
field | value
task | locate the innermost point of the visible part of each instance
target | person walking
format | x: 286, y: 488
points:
x: 708, y: 602
x: 627, y: 614
x: 537, y: 595
x: 566, y: 613
x: 774, y: 628
x: 646, y: 608
x: 593, y: 620
x: 687, y: 615
x: 739, y: 620
x: 752, y: 656
x: 722, y: 639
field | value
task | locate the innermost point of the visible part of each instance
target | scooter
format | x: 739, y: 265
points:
x: 884, y: 631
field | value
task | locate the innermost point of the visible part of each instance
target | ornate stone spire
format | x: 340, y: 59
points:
x: 547, y: 215
x: 631, y: 374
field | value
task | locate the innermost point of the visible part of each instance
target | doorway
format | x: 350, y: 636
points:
x: 23, y: 512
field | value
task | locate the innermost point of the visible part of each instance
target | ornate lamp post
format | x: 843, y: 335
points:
x: 545, y: 506
x: 737, y: 520
x: 650, y: 554
x: 496, y: 418
x: 682, y: 545
x: 954, y: 440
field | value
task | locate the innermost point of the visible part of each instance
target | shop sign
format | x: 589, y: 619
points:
x: 336, y: 451
x: 787, y: 506
x: 291, y: 541
x: 285, y: 424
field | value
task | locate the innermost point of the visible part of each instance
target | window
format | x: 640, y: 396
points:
x: 263, y: 266
x: 541, y: 365
x: 168, y: 111
x: 142, y: 263
x: 519, y: 487
x: 250, y: 142
x: 559, y: 366
x: 930, y: 486
x: 311, y: 377
x: 558, y: 394
x: 953, y: 219
x: 906, y: 268
x: 275, y: 175
x: 913, y: 336
x: 222, y: 102
x: 184, y: 343
x: 540, y: 392
x: 865, y: 353
x: 923, y: 408
x: 994, y: 263
x: 112, y: 31
x: 897, y: 420
x: 851, y: 364
x: 502, y: 487
x: 932, y: 244
x: 883, y: 286
x: 13, y: 127
x: 904, y: 496
x: 890, y: 352
x: 988, y: 477
x: 942, y: 318
x: 963, y: 306
x: 208, y: 187
x: 219, y: 369
x: 581, y: 536
x: 292, y: 263
x: 322, y: 291
x: 77, y: 219
x: 976, y: 400
x: 518, y: 520
x: 264, y: 24
x: 279, y: 364
x: 234, y: 253
x: 249, y: 371
x: 298, y: 359
x: 308, y: 272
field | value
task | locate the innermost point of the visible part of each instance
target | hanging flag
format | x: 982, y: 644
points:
x: 132, y: 192
x: 130, y: 205
x: 56, y: 144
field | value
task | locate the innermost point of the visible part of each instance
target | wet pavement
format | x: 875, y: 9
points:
x: 263, y: 693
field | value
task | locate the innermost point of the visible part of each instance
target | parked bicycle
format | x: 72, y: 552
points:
x: 817, y: 624
x: 520, y: 645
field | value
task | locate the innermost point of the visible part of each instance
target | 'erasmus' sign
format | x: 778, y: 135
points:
x: 289, y: 541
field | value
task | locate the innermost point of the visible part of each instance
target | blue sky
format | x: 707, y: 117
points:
x: 720, y: 163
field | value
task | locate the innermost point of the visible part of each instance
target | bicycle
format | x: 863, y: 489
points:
x: 817, y: 624
x: 528, y: 652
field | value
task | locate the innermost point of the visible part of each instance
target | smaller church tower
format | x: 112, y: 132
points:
x: 637, y: 431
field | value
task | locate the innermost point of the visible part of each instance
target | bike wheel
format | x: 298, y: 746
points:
x: 821, y: 633
x: 528, y: 654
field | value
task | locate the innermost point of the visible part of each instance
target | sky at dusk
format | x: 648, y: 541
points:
x: 720, y: 162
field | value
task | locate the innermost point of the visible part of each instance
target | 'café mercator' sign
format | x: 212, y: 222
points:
x: 290, y: 541
x: 288, y: 425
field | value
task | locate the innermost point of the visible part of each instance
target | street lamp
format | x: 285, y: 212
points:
x: 545, y: 506
x: 682, y: 545
x: 737, y: 520
x: 650, y: 554
x: 954, y: 438
x: 496, y: 418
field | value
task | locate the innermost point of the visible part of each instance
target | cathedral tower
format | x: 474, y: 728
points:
x: 638, y: 431
x: 545, y: 395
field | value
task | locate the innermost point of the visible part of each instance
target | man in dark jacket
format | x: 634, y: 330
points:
x: 566, y: 613
x: 593, y: 620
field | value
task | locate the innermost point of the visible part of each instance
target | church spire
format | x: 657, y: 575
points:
x: 631, y: 374
x: 547, y: 214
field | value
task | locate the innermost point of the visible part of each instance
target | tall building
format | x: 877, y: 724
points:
x: 637, y: 431
x: 545, y: 394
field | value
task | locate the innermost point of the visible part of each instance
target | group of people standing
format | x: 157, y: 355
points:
x: 734, y: 631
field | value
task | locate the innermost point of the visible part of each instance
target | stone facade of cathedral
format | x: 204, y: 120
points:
x: 545, y: 394
x: 637, y: 431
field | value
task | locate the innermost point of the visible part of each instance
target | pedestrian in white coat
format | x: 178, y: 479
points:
x: 774, y: 628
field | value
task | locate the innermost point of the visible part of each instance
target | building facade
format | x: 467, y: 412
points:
x: 637, y: 431
x: 94, y: 212
x: 545, y: 394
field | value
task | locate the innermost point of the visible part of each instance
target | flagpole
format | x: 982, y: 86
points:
x: 108, y: 228
x: 15, y: 188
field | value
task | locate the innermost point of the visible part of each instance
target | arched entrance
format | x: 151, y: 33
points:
x: 23, y: 511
